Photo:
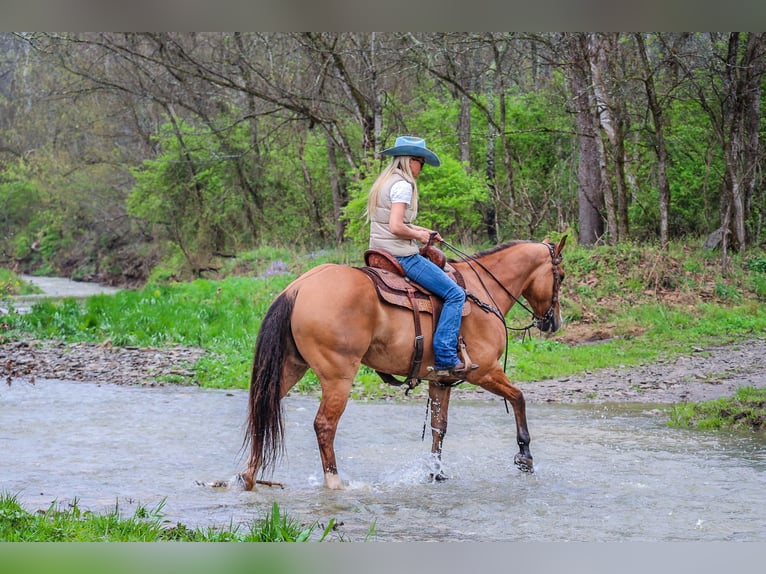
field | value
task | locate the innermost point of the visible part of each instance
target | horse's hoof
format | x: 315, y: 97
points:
x: 333, y: 481
x: 437, y: 477
x: 244, y: 481
x: 524, y: 463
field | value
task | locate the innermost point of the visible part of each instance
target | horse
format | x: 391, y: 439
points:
x: 331, y: 320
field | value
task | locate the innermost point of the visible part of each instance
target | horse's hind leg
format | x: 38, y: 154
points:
x: 496, y: 382
x: 335, y: 395
x: 439, y: 396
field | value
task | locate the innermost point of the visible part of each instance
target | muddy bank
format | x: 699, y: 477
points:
x: 706, y: 374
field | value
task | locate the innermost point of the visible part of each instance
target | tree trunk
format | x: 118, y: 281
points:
x: 339, y: 192
x: 490, y: 214
x: 742, y: 82
x: 659, y: 141
x: 315, y: 211
x: 590, y: 193
x: 603, y: 51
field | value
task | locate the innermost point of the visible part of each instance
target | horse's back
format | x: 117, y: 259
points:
x: 333, y: 293
x: 330, y: 279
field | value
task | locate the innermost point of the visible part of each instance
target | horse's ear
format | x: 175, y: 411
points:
x: 547, y: 240
x: 560, y: 246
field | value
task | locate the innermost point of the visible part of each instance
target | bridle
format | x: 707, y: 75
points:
x: 549, y: 315
x: 537, y: 320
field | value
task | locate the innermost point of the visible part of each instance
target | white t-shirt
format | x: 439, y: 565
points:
x: 401, y: 192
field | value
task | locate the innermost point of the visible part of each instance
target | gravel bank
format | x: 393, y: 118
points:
x: 706, y: 374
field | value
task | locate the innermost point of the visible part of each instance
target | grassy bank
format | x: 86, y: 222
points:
x: 745, y: 410
x: 71, y: 524
x: 638, y: 303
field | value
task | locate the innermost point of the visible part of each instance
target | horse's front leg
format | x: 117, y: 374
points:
x: 439, y: 395
x: 498, y: 383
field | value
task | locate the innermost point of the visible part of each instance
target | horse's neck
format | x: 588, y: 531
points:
x: 512, y: 268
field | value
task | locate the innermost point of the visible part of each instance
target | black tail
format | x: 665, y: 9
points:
x: 265, y: 427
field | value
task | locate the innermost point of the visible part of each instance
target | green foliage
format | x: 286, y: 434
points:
x: 696, y: 162
x: 450, y: 199
x: 745, y: 410
x: 277, y: 527
x: 757, y: 264
x: 11, y: 284
x: 20, y: 205
x: 758, y: 285
x: 72, y: 524
x: 187, y: 190
x: 211, y: 193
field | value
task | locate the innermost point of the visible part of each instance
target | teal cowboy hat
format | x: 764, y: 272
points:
x: 409, y: 145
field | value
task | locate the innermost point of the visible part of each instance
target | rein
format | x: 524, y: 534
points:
x: 536, y: 321
x: 469, y: 259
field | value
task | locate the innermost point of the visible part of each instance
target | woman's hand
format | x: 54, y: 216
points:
x: 429, y: 235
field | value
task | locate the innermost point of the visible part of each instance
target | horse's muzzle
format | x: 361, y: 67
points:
x: 550, y: 323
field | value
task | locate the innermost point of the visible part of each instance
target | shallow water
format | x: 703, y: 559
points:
x: 57, y: 287
x: 603, y: 473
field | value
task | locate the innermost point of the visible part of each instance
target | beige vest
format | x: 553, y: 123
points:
x: 380, y: 232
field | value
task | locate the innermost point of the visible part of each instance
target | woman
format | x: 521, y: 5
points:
x: 391, y: 208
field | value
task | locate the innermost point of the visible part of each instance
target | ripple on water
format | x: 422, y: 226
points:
x: 601, y: 474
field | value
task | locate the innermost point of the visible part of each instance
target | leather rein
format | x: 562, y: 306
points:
x: 537, y: 321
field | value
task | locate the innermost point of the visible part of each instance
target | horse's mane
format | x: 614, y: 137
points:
x: 500, y: 247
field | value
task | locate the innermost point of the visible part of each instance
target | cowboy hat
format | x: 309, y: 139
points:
x: 409, y: 145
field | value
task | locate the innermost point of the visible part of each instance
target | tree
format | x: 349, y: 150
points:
x: 659, y: 137
x: 603, y: 55
x: 589, y: 174
x: 725, y: 72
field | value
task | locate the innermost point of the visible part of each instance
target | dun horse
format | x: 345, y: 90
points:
x: 331, y: 320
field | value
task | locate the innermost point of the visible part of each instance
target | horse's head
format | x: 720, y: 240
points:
x: 542, y: 292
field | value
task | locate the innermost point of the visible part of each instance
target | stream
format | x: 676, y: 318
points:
x: 609, y: 472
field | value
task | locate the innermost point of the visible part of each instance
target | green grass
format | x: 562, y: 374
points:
x: 654, y: 305
x: 72, y: 524
x: 222, y: 317
x: 745, y: 410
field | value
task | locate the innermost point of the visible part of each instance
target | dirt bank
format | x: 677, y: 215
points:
x: 706, y: 374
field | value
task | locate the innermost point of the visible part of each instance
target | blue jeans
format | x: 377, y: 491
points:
x: 423, y: 272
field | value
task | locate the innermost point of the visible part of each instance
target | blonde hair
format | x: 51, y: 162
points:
x: 400, y: 165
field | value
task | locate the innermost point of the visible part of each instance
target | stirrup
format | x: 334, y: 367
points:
x: 457, y: 371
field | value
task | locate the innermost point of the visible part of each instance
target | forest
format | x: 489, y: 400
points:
x: 123, y: 151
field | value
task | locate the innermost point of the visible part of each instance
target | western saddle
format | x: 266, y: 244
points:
x: 395, y: 289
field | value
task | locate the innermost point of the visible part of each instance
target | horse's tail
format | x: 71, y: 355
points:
x: 265, y: 425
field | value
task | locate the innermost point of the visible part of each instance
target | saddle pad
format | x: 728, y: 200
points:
x: 392, y: 288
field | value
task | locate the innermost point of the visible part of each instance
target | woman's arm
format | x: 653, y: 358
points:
x: 407, y: 231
